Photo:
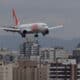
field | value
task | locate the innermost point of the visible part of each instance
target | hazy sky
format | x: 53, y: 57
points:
x: 53, y: 12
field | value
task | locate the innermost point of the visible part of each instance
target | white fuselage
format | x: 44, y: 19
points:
x: 33, y: 27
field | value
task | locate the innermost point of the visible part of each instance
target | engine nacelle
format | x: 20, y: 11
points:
x: 23, y: 31
x: 46, y: 31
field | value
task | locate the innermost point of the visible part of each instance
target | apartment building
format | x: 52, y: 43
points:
x: 6, y: 71
x: 29, y: 70
x: 51, y: 54
x: 65, y: 70
x: 76, y: 54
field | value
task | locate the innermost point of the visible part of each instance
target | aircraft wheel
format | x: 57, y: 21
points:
x: 36, y: 35
x: 23, y: 35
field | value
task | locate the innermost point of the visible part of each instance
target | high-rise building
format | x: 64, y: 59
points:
x: 51, y: 54
x: 29, y: 47
x: 6, y: 71
x: 66, y: 70
x: 23, y: 70
x: 7, y: 55
x: 35, y: 49
x: 76, y: 54
x: 29, y: 70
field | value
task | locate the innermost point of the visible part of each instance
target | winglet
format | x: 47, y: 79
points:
x: 15, y: 19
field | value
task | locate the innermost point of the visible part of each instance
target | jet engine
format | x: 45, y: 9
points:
x: 23, y: 33
x: 46, y: 31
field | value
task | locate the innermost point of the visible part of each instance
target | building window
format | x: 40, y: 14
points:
x: 47, y: 54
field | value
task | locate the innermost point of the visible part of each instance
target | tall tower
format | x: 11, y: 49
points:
x: 29, y: 46
x: 35, y: 47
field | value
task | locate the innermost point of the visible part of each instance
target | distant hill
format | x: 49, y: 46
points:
x: 13, y: 42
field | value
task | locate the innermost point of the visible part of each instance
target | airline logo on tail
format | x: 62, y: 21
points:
x: 15, y: 19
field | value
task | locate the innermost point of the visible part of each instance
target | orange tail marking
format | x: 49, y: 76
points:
x: 16, y: 21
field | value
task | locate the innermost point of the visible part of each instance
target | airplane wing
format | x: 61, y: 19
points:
x: 59, y: 26
x: 10, y: 29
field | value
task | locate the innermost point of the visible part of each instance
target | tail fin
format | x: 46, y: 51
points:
x: 15, y: 19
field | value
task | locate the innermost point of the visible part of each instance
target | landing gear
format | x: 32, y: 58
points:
x: 43, y: 34
x: 23, y: 35
x: 36, y: 35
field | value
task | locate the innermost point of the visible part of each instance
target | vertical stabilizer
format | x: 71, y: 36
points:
x: 15, y: 19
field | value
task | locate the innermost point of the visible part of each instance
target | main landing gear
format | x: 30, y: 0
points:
x: 24, y: 35
x: 36, y: 35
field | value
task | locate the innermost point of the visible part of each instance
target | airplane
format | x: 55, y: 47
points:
x: 32, y: 28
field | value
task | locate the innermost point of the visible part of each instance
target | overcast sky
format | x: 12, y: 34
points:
x: 52, y: 12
